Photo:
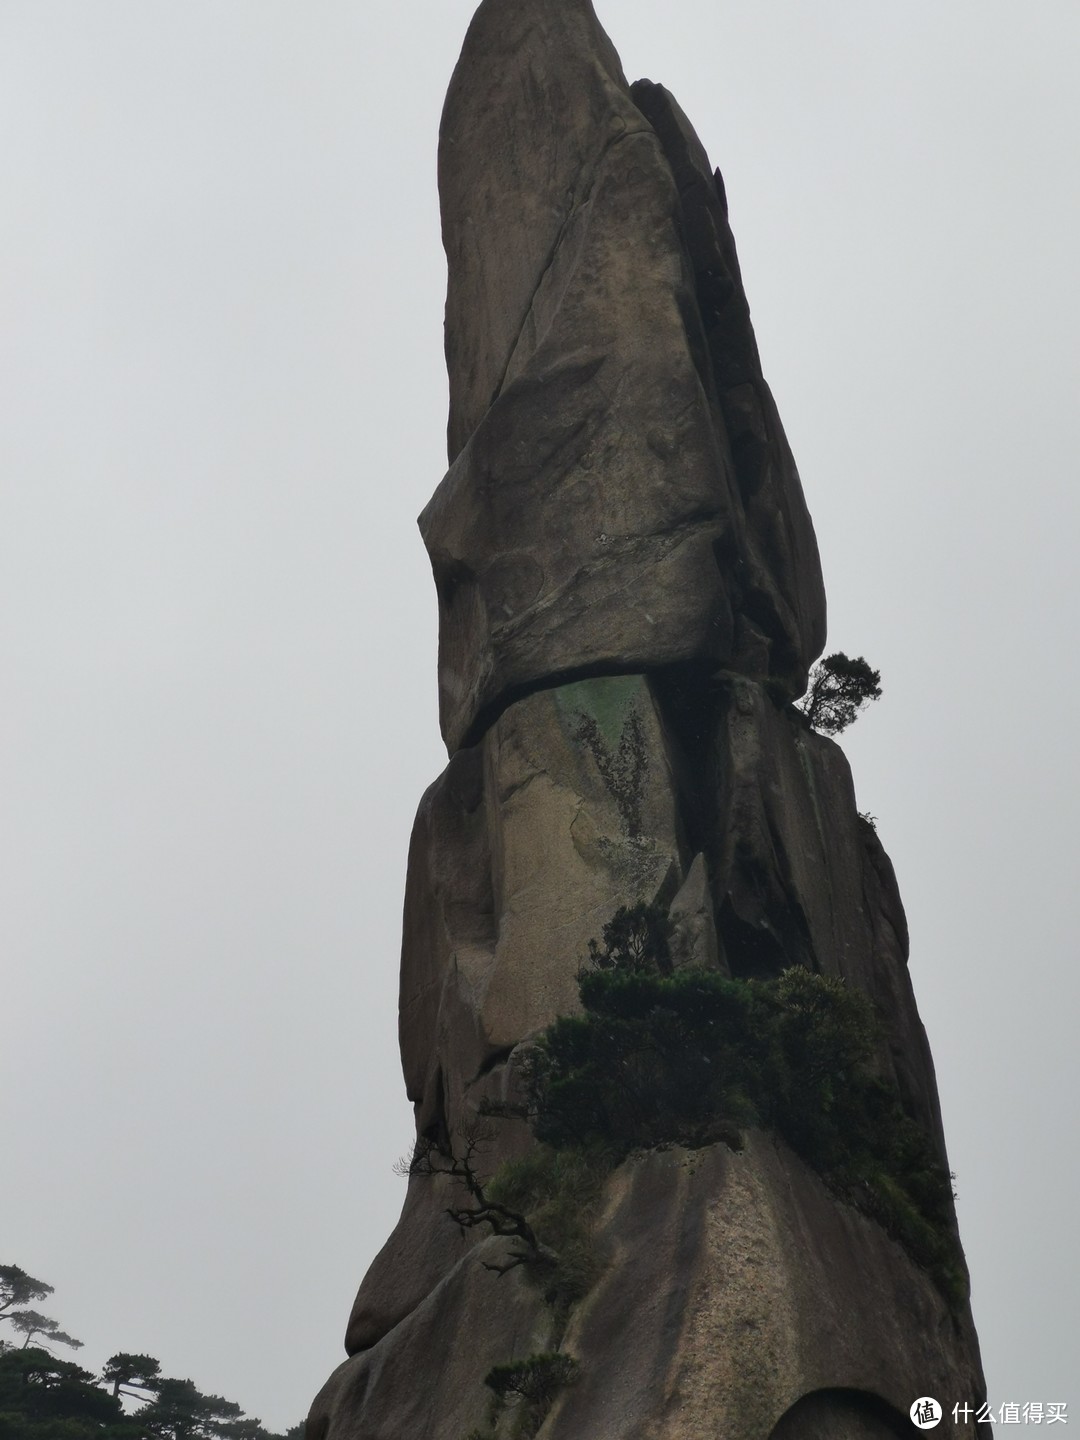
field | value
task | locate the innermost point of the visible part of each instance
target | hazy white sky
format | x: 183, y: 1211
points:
x: 223, y: 407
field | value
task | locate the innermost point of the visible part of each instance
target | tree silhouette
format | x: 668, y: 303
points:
x: 18, y: 1289
x: 130, y: 1374
x: 839, y: 689
x: 30, y: 1323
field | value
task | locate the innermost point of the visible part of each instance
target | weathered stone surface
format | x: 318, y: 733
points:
x: 537, y: 99
x: 592, y: 517
x: 781, y: 589
x: 426, y: 1244
x: 577, y: 529
x: 693, y: 939
x: 842, y: 1415
x: 565, y: 812
x: 423, y: 1248
x: 739, y: 1299
x: 736, y: 1285
x: 583, y: 819
x: 788, y: 859
x: 449, y: 911
x: 425, y: 1378
x: 800, y: 878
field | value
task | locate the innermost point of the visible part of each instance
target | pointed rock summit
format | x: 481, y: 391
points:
x: 741, y: 1231
x: 621, y: 497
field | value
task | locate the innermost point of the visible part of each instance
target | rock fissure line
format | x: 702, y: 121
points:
x: 576, y: 207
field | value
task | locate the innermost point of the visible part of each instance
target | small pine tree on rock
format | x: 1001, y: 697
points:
x: 839, y: 690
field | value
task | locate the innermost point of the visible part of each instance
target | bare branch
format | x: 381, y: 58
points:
x: 429, y: 1159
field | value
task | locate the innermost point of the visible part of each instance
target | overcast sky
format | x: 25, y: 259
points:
x: 223, y: 407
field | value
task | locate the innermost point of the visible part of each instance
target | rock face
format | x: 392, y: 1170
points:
x: 738, y: 1300
x: 629, y: 600
x: 621, y: 496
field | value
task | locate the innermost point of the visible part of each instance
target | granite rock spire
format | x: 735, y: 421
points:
x: 630, y: 599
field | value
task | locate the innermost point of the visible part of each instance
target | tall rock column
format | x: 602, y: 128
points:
x: 629, y: 601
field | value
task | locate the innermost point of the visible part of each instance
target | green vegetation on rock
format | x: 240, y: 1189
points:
x: 524, y: 1391
x: 690, y: 1057
x: 694, y: 1057
x: 560, y: 1191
